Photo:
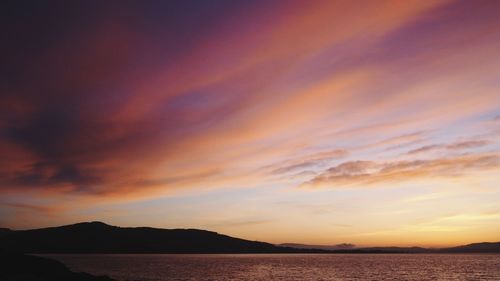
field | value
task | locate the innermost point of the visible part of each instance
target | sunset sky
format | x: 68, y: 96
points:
x: 321, y: 122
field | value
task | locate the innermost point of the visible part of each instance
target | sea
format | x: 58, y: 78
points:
x: 287, y: 267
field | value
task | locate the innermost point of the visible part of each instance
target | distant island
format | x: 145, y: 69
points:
x: 98, y: 237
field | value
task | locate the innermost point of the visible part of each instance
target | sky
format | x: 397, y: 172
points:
x: 320, y: 122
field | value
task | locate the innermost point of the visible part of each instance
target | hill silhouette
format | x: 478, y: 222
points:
x: 484, y: 247
x: 98, y: 237
x: 4, y: 231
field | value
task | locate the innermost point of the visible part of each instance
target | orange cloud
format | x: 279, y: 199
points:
x: 366, y: 173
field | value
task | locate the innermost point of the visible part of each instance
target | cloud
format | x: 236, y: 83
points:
x: 403, y: 140
x: 294, y: 167
x: 425, y: 149
x: 45, y: 174
x: 355, y: 173
x: 28, y: 215
x: 467, y: 144
x: 46, y: 210
x: 461, y: 145
x: 157, y: 97
x: 307, y: 161
x: 352, y: 168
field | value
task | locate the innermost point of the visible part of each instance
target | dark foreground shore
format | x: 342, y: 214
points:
x: 20, y: 267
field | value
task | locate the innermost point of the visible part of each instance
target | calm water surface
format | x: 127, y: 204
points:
x: 289, y: 266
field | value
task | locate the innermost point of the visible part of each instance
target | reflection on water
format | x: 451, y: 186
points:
x: 289, y: 266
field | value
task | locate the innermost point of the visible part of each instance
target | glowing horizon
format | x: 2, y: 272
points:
x: 374, y: 123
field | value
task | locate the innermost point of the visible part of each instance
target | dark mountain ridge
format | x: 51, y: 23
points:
x: 98, y: 237
x: 483, y: 247
x: 4, y: 231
